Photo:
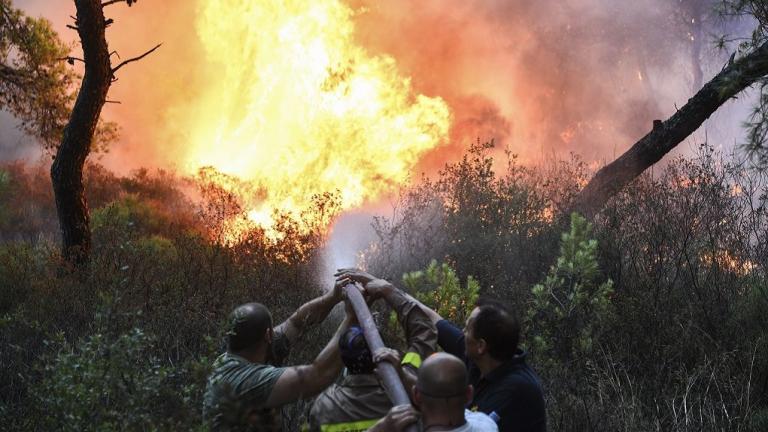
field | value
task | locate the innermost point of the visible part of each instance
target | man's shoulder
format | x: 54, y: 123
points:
x: 354, y: 398
x: 520, y: 375
x: 324, y: 400
x: 243, y: 376
x: 238, y: 389
x: 231, y: 362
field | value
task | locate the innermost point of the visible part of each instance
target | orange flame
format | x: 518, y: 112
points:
x: 294, y: 106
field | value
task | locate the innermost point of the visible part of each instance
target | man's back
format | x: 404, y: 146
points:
x: 236, y: 393
x: 360, y: 399
x: 355, y: 403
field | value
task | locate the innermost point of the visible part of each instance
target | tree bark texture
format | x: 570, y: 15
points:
x: 666, y: 135
x: 67, y: 168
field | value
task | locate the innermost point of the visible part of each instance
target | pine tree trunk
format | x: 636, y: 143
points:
x: 666, y: 135
x: 67, y: 168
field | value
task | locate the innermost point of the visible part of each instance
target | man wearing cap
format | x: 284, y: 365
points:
x: 359, y: 400
x: 246, y: 386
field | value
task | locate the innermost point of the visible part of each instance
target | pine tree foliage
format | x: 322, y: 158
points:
x: 571, y: 304
x: 439, y: 287
x: 37, y: 79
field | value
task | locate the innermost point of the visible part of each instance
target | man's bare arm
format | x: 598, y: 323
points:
x: 309, y: 314
x: 304, y: 381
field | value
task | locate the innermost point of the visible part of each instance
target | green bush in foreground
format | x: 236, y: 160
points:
x: 111, y: 382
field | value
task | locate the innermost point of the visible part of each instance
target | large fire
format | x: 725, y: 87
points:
x: 295, y: 107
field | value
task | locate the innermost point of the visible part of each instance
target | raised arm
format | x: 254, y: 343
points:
x: 366, y: 278
x: 433, y: 316
x: 309, y: 314
x: 299, y: 382
x: 420, y: 331
x: 397, y: 419
x: 449, y: 337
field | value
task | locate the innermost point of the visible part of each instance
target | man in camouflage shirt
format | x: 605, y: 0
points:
x: 245, y: 387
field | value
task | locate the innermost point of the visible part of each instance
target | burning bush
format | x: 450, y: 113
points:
x: 156, y: 268
x: 684, y: 347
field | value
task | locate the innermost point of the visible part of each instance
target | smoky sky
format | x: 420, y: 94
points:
x: 548, y: 76
x: 540, y: 77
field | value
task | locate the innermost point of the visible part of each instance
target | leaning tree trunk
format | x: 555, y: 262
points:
x: 67, y: 168
x: 666, y: 135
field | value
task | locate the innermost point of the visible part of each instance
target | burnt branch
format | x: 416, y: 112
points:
x: 71, y: 60
x: 111, y: 2
x: 130, y: 60
x: 665, y: 135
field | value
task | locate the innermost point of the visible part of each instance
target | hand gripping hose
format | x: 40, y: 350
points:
x: 385, y: 370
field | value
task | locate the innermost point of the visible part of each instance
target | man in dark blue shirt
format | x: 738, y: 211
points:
x: 506, y: 388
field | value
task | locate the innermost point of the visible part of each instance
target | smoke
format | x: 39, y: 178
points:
x: 545, y: 77
x: 351, y: 233
x: 541, y: 78
x: 14, y: 145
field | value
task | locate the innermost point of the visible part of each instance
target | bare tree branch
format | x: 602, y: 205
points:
x: 116, y: 68
x: 71, y: 59
x: 110, y: 2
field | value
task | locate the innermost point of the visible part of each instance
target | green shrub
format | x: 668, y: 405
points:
x: 439, y: 287
x: 486, y: 217
x: 128, y: 212
x: 111, y: 382
x: 570, y: 307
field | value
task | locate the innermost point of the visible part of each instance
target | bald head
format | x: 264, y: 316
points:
x: 442, y: 376
x: 248, y: 324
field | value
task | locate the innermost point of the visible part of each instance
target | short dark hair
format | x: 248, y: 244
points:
x: 499, y: 327
x: 248, y: 324
x: 354, y: 351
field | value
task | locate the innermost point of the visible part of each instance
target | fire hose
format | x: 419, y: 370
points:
x: 386, y: 371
